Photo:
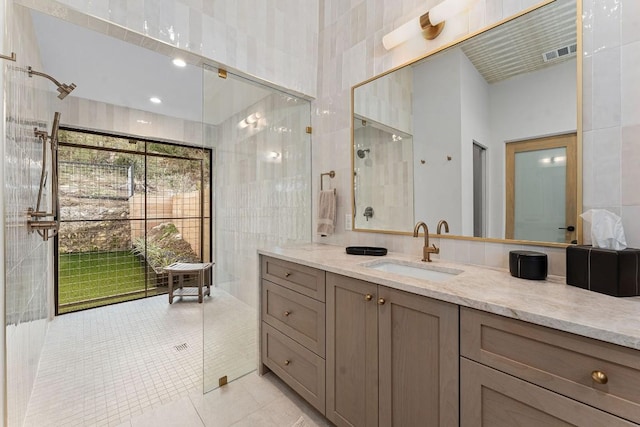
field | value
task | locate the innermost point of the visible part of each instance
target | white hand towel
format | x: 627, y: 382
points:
x: 326, y: 212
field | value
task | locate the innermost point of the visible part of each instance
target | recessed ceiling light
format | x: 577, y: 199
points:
x: 155, y: 100
x: 179, y: 62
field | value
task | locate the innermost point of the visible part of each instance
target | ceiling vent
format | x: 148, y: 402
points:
x: 552, y: 55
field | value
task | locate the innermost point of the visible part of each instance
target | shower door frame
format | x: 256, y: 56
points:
x: 145, y: 154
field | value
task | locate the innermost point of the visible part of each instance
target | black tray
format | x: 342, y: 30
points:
x: 366, y: 250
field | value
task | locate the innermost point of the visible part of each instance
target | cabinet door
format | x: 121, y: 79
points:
x: 351, y: 352
x: 492, y: 398
x: 418, y: 341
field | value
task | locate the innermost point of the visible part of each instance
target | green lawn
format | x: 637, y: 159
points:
x: 88, y: 276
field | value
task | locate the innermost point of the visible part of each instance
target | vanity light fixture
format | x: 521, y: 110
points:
x: 178, y: 62
x: 155, y: 100
x: 430, y: 24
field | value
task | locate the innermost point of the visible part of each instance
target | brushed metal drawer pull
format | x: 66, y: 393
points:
x: 381, y: 301
x: 368, y: 297
x: 287, y: 274
x: 599, y: 377
x: 287, y: 313
x: 286, y: 362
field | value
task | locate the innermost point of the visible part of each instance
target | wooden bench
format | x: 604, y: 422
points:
x: 183, y: 268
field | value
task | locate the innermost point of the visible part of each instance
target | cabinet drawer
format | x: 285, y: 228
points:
x: 494, y: 399
x: 297, y: 316
x: 300, y: 278
x: 559, y: 361
x: 302, y: 369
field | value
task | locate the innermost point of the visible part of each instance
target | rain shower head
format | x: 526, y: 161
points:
x: 362, y: 153
x: 64, y: 89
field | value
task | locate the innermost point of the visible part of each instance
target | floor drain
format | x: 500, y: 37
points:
x: 181, y: 347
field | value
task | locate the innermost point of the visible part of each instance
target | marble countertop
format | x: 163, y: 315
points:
x: 548, y: 302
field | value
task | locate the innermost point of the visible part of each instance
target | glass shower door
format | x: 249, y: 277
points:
x: 262, y: 197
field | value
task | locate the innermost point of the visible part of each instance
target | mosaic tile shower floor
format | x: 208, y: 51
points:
x: 140, y: 363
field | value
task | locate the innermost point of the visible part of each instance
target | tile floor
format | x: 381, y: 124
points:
x: 140, y: 364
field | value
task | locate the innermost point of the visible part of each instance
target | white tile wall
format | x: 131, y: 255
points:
x: 611, y: 108
x: 85, y: 113
x: 260, y: 201
x: 276, y: 40
x: 26, y: 265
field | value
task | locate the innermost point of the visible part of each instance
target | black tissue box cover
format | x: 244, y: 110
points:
x: 606, y: 271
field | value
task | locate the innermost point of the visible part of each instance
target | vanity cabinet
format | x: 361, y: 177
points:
x: 369, y: 355
x: 293, y: 326
x: 392, y: 357
x: 514, y: 370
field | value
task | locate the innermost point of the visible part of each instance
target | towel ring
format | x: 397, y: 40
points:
x: 331, y: 174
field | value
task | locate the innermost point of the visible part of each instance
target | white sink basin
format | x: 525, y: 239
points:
x: 418, y: 271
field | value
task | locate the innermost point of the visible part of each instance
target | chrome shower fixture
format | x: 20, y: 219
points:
x: 63, y: 89
x: 362, y: 153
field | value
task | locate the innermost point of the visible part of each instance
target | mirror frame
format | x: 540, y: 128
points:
x: 579, y: 50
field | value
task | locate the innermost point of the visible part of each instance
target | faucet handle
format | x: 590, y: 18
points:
x: 433, y: 249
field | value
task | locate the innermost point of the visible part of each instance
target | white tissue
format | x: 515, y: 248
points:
x: 606, y: 229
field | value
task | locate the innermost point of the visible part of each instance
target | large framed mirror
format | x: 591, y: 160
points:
x: 484, y: 133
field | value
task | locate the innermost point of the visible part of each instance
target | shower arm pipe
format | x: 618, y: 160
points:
x: 63, y: 89
x: 11, y: 57
x: 46, y: 76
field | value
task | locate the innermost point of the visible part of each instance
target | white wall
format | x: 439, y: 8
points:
x: 85, y: 113
x: 437, y: 111
x: 387, y: 100
x: 611, y: 111
x: 4, y: 45
x: 275, y: 40
x: 451, y: 106
x: 520, y: 108
x: 260, y: 201
x: 27, y: 262
x: 475, y: 127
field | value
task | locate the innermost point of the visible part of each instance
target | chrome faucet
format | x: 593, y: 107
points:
x: 440, y: 224
x: 426, y: 250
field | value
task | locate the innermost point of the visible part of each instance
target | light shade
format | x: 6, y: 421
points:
x: 430, y: 24
x: 402, y: 34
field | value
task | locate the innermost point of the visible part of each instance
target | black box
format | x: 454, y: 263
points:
x: 528, y: 265
x: 606, y: 271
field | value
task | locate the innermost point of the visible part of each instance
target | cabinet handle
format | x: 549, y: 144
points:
x: 286, y: 362
x: 286, y: 313
x: 368, y: 297
x: 287, y: 274
x: 599, y: 377
x: 381, y: 301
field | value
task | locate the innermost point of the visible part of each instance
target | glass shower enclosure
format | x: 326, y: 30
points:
x: 261, y: 167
